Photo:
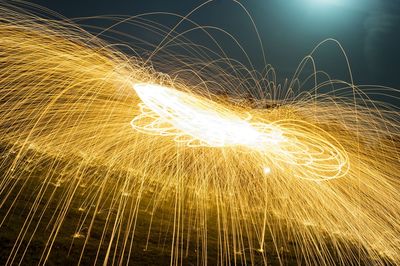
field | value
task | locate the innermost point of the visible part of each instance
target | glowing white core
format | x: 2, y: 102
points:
x: 199, y: 118
x: 267, y: 170
x: 197, y: 121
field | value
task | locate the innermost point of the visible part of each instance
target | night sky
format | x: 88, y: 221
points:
x: 369, y: 30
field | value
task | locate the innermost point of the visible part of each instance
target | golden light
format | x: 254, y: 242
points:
x: 202, y: 121
x: 127, y: 163
x: 267, y: 170
x: 197, y: 121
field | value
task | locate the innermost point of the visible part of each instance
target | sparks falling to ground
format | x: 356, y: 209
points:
x: 93, y: 138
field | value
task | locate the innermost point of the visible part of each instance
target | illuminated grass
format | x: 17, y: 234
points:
x: 132, y: 157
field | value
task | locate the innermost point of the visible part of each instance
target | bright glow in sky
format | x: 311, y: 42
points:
x: 327, y: 2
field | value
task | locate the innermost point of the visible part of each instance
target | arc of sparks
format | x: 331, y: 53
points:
x: 201, y: 122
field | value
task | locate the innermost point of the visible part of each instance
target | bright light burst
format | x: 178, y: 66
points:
x: 99, y: 149
x: 180, y: 114
x: 200, y: 122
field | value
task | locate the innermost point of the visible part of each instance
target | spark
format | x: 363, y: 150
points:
x: 267, y: 170
x: 95, y: 138
x: 201, y: 122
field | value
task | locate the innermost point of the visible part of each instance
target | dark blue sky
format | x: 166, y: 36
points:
x: 369, y: 30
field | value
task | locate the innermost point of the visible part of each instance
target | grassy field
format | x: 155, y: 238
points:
x: 19, y: 198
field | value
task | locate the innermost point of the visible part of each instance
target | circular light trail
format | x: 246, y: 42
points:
x: 197, y: 121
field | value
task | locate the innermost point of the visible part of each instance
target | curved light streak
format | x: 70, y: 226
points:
x: 201, y: 122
